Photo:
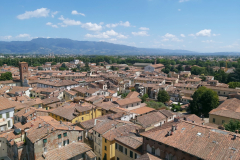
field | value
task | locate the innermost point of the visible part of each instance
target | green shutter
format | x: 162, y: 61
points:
x: 44, y: 140
x: 7, y: 114
x: 65, y: 134
x: 0, y: 115
x: 59, y: 136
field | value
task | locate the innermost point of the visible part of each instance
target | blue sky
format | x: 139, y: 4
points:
x: 196, y: 25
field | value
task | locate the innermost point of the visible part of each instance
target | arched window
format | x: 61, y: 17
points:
x: 157, y: 152
x: 149, y: 149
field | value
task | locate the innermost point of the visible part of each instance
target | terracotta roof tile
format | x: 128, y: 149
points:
x: 198, y: 140
x: 69, y: 151
x: 142, y: 110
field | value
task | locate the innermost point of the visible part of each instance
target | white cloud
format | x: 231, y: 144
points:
x: 168, y: 35
x: 144, y: 28
x: 107, y: 34
x: 121, y: 36
x: 6, y: 37
x: 205, y: 33
x: 111, y: 33
x: 180, y: 1
x: 54, y: 13
x: 68, y: 22
x: 92, y: 26
x: 42, y: 12
x: 140, y: 33
x: 182, y: 35
x: 175, y: 39
x: 74, y: 12
x: 125, y: 24
x: 165, y: 39
x: 208, y: 41
x: 52, y: 25
x: 234, y: 45
x: 113, y: 39
x: 23, y: 35
x: 216, y: 34
x: 191, y: 35
x: 171, y: 37
x: 179, y: 10
x: 100, y: 35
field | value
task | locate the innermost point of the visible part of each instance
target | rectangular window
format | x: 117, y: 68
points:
x: 60, y: 145
x: 135, y: 155
x: 105, y: 140
x: 213, y: 120
x: 120, y: 148
x: 118, y: 158
x: 105, y: 148
x: 223, y: 121
x: 65, y: 134
x: 131, y: 154
x: 44, y: 140
x: 59, y: 136
x: 7, y: 115
x: 45, y: 149
x: 0, y: 115
x: 82, y: 118
x: 9, y: 123
x: 126, y: 151
x: 153, y: 151
x: 116, y: 146
x: 79, y: 138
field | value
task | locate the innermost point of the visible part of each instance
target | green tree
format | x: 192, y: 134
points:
x: 62, y: 68
x: 204, y: 100
x: 155, y: 105
x: 53, y: 63
x: 180, y: 67
x: 235, y: 76
x: 74, y: 69
x: 133, y: 89
x: 40, y: 68
x: 124, y: 95
x: 64, y: 65
x: 221, y: 76
x: 78, y: 66
x: 126, y: 68
x: 6, y: 76
x: 232, y: 125
x: 203, y: 78
x: 144, y: 97
x: 176, y: 108
x: 234, y: 84
x: 163, y: 96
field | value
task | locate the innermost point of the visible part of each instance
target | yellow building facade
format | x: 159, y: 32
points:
x: 108, y: 149
x: 219, y: 120
x: 82, y: 116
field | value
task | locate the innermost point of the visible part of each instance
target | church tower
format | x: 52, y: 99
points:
x: 23, y: 69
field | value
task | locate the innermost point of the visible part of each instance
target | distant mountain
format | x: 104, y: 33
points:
x: 68, y: 46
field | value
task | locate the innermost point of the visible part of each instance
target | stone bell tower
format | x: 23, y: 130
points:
x: 23, y: 69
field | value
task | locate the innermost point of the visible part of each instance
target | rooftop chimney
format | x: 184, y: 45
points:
x: 39, y: 126
x: 234, y: 136
x: 173, y: 128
